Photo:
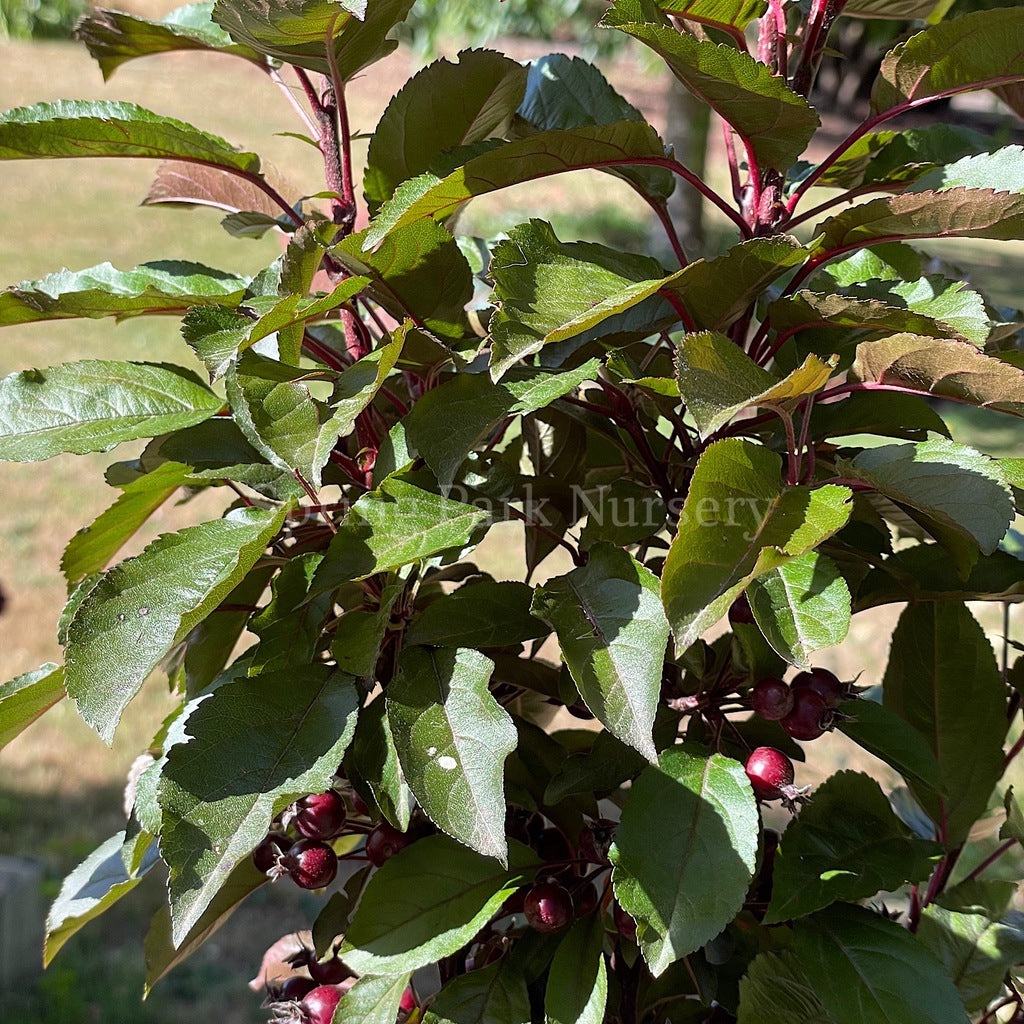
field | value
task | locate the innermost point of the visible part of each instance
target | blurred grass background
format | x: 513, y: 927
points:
x: 60, y: 788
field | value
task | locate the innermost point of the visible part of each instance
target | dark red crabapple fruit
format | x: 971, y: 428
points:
x: 320, y: 815
x: 771, y: 699
x: 823, y: 683
x: 384, y: 842
x: 810, y: 716
x: 359, y: 806
x: 548, y: 907
x: 318, y: 1007
x: 553, y: 847
x: 295, y: 988
x: 408, y: 1001
x: 740, y: 611
x: 624, y: 923
x: 267, y: 856
x: 770, y: 773
x: 312, y: 864
x: 585, y: 900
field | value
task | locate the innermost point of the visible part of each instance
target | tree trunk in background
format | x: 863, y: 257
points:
x: 687, y: 124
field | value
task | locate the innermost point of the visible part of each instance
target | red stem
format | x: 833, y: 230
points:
x: 991, y: 859
x: 874, y: 122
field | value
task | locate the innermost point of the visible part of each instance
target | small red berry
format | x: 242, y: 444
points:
x: 384, y: 842
x: 311, y: 864
x: 267, y: 856
x: 320, y: 815
x: 625, y: 924
x: 810, y: 716
x: 295, y: 988
x: 770, y: 773
x: 359, y: 805
x: 548, y: 907
x: 771, y: 699
x: 823, y: 683
x: 585, y: 900
x: 740, y: 611
x: 318, y: 1007
x: 408, y: 1001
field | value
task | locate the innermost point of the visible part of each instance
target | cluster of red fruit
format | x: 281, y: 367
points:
x: 565, y: 890
x: 806, y: 707
x: 311, y: 1001
x: 309, y: 859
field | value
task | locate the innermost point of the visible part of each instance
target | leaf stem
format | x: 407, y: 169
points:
x: 314, y: 129
x: 1005, y: 847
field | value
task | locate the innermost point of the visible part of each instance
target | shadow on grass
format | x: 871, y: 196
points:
x: 99, y: 975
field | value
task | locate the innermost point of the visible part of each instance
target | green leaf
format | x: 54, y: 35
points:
x: 489, y: 994
x: 888, y: 160
x: 92, y: 547
x: 577, y: 988
x: 955, y: 213
x: 418, y: 272
x: 217, y: 450
x: 373, y: 759
x: 806, y: 310
x: 773, y: 121
x: 726, y: 13
x: 479, y: 614
x: 372, y: 1000
x: 738, y: 523
x: 360, y: 634
x: 567, y: 92
x: 775, y: 990
x: 289, y: 626
x: 802, y: 606
x: 428, y: 901
x: 549, y: 290
x: 537, y: 156
x: 273, y: 405
x: 893, y: 740
x: 926, y: 573
x: 865, y: 968
x: 482, y: 90
x: 887, y: 413
x: 612, y: 632
x: 699, y: 813
x: 81, y: 128
x: 946, y: 369
x: 1013, y: 827
x: 977, y: 952
x: 717, y: 292
x: 957, y: 487
x: 717, y: 380
x: 897, y: 10
x: 160, y: 287
x: 605, y: 766
x: 114, y: 38
x: 449, y: 421
x: 293, y: 31
x: 24, y: 699
x: 92, y: 888
x: 395, y: 525
x: 845, y: 845
x: 136, y: 612
x: 163, y: 954
x: 622, y: 512
x: 999, y: 171
x: 942, y: 679
x: 259, y: 318
x: 255, y: 746
x: 94, y: 405
x: 975, y: 51
x: 452, y: 738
